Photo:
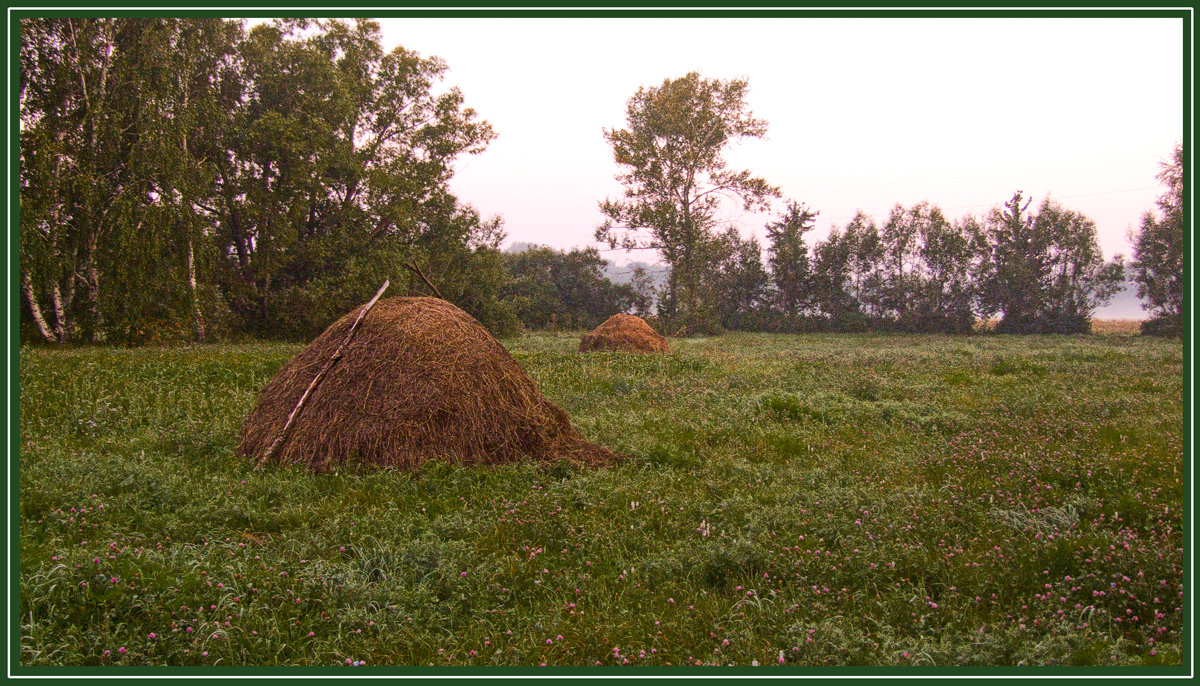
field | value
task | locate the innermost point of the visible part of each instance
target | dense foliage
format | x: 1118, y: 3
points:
x: 187, y: 174
x: 551, y: 289
x: 1158, y: 250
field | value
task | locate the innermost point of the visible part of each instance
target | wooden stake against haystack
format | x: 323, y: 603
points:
x: 337, y: 355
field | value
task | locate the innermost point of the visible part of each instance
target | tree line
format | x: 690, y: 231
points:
x: 1036, y: 269
x: 193, y: 179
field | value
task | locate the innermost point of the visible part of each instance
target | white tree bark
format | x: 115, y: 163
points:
x: 31, y: 298
x: 197, y: 315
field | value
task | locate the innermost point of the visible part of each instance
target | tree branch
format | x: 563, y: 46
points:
x: 417, y: 270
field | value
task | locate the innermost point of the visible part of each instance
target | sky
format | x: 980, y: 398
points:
x: 863, y: 113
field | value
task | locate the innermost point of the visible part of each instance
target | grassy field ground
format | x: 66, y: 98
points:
x: 818, y: 499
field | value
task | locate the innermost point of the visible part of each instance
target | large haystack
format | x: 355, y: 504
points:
x: 624, y: 332
x: 421, y: 380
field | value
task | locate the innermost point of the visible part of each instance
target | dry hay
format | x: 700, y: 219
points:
x: 421, y: 380
x: 624, y: 332
x: 1124, y: 327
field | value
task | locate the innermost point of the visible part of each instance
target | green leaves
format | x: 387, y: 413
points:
x: 1157, y: 266
x: 553, y: 289
x: 178, y: 171
x: 676, y: 178
x: 1044, y: 271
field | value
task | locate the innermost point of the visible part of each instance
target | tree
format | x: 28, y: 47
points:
x: 928, y: 266
x: 180, y: 176
x: 743, y: 282
x: 1044, y: 272
x: 951, y: 255
x: 114, y: 115
x: 552, y: 289
x: 676, y: 178
x: 1157, y: 264
x: 865, y: 285
x: 791, y: 271
x: 831, y: 281
x: 644, y: 291
x: 337, y: 157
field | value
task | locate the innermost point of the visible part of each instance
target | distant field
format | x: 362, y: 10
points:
x: 810, y: 500
x: 1126, y: 327
x: 1122, y: 327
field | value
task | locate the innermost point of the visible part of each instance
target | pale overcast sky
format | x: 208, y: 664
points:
x: 863, y: 113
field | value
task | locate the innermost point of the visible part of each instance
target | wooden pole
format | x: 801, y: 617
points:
x: 337, y: 355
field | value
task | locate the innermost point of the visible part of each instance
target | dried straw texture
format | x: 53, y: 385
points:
x: 624, y: 332
x: 421, y: 380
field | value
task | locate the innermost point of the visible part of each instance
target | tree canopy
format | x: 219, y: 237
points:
x: 1157, y: 266
x: 676, y: 177
x: 1044, y: 272
x: 188, y: 174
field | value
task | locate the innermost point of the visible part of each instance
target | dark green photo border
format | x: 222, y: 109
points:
x: 136, y: 9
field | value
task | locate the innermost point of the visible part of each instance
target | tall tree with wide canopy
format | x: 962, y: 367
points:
x: 338, y: 160
x: 676, y: 177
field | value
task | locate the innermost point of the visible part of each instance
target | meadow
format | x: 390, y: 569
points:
x: 784, y: 500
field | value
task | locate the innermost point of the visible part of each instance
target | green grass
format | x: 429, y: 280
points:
x: 831, y: 499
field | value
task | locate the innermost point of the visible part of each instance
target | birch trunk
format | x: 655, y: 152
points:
x: 93, y: 296
x: 197, y: 316
x: 61, y: 326
x: 38, y: 319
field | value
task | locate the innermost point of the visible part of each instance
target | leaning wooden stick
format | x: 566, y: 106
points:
x: 417, y: 270
x: 337, y: 355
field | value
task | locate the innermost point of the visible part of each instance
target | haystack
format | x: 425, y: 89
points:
x: 421, y: 380
x: 624, y: 332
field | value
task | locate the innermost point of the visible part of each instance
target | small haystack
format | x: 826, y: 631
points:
x: 624, y: 332
x: 421, y: 380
